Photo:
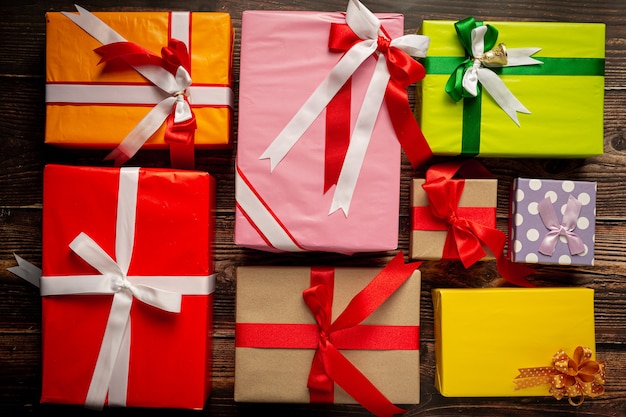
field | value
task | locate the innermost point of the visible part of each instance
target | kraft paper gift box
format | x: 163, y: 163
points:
x: 552, y: 221
x: 127, y: 287
x: 564, y: 94
x: 429, y: 235
x: 284, y: 58
x: 484, y: 336
x: 96, y: 105
x: 453, y: 216
x: 277, y: 335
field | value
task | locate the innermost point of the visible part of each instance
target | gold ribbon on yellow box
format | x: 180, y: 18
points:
x: 578, y: 376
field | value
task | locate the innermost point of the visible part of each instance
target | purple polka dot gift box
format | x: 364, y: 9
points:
x: 552, y: 221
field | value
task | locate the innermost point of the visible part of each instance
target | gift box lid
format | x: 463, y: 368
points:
x: 140, y: 261
x: 428, y: 236
x: 94, y: 104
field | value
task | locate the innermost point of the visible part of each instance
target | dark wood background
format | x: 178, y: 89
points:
x: 23, y: 156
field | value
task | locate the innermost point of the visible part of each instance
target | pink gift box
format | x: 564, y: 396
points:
x: 284, y: 57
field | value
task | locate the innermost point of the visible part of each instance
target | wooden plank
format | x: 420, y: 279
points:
x: 23, y: 156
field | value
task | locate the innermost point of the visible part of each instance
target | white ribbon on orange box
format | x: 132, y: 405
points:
x: 167, y: 95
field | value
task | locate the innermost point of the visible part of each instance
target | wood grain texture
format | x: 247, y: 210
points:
x: 23, y: 156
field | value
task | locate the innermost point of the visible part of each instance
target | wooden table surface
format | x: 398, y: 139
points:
x: 23, y: 156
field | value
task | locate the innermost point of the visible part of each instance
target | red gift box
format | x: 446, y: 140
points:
x: 123, y: 249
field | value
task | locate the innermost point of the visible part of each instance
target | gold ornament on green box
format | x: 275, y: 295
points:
x: 513, y: 89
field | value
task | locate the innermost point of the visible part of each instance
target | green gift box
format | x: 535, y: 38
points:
x: 564, y: 93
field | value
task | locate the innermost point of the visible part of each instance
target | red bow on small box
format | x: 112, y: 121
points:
x: 467, y: 237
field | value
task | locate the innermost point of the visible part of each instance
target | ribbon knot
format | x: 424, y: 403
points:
x: 121, y: 284
x: 323, y: 338
x: 564, y: 228
x: 452, y: 218
x: 576, y: 376
x: 382, y: 45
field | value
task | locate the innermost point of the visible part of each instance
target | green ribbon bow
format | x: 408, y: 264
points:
x: 464, y: 29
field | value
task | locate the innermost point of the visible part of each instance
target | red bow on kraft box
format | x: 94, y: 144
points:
x: 331, y: 341
x: 470, y: 230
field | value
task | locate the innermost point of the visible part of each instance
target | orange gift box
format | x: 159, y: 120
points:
x: 95, y: 105
x: 113, y: 281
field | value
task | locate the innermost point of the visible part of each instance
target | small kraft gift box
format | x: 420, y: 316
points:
x: 318, y: 157
x: 127, y: 287
x: 500, y: 342
x: 453, y: 217
x: 552, y: 221
x: 126, y: 81
x: 513, y: 89
x: 329, y: 335
x: 430, y: 236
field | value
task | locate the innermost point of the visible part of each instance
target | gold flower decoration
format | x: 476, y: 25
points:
x: 576, y: 376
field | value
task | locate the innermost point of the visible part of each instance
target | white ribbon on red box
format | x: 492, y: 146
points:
x: 163, y: 292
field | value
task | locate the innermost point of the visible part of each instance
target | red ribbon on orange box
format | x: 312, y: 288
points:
x: 169, y: 89
x: 180, y: 129
x: 465, y: 235
x: 329, y: 365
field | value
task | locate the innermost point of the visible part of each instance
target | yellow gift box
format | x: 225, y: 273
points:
x: 484, y: 335
x: 565, y: 94
x: 91, y: 121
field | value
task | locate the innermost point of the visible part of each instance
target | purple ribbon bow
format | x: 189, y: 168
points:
x: 565, y: 228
